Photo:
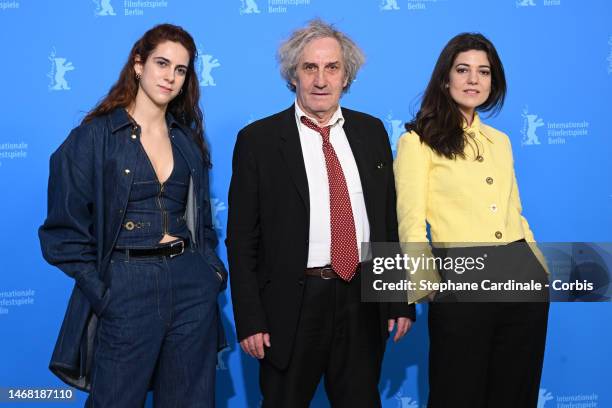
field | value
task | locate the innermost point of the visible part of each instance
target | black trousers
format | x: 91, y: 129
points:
x: 486, y: 354
x: 337, y: 337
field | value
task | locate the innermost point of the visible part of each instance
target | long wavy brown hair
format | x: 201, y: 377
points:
x: 439, y: 122
x: 184, y: 107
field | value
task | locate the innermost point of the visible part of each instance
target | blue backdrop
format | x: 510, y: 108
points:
x: 60, y: 57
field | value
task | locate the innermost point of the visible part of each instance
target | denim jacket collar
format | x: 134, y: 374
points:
x: 119, y: 119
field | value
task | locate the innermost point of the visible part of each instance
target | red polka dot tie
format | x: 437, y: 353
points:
x: 344, y: 254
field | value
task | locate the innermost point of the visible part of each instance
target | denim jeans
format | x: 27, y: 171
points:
x: 159, y: 331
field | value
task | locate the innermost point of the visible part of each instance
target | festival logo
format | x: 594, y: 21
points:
x: 532, y: 3
x: 525, y: 3
x: 128, y: 8
x: 220, y: 363
x: 13, y: 151
x: 59, y: 67
x: 544, y: 397
x: 410, y: 5
x: 395, y: 128
x: 206, y: 63
x: 556, y: 133
x: 388, y: 5
x: 570, y: 400
x: 531, y: 123
x: 217, y: 206
x: 11, y: 299
x: 249, y: 7
x: 406, y: 402
x: 273, y: 6
x: 104, y: 8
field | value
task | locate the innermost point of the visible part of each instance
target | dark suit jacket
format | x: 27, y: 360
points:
x: 268, y: 222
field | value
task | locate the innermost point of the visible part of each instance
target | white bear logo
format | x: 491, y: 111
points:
x: 207, y: 63
x: 389, y: 5
x: 216, y: 207
x: 405, y: 402
x: 249, y: 7
x: 543, y: 398
x: 531, y: 123
x: 59, y: 67
x: 525, y: 3
x: 104, y: 8
x: 396, y: 129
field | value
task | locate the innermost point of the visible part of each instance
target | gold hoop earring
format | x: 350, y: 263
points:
x: 180, y: 91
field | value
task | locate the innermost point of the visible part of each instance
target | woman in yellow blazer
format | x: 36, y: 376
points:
x: 456, y: 174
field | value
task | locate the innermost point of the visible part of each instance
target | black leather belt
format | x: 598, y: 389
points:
x: 171, y: 249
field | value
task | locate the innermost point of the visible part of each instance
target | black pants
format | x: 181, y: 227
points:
x: 486, y: 354
x: 337, y: 337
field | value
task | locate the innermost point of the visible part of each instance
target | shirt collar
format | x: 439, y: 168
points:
x: 119, y: 119
x: 336, y: 119
x: 476, y: 128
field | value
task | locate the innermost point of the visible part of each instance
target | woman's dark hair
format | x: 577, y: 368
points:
x: 439, y: 122
x: 184, y: 107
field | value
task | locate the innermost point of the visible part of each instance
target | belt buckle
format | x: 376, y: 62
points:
x: 326, y: 269
x: 172, y: 245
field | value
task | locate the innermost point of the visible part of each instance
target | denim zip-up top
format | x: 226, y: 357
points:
x: 155, y: 208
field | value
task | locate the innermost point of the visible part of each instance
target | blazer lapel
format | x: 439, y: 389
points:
x: 357, y: 141
x: 291, y: 150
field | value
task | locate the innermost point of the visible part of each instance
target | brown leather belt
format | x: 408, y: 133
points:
x: 324, y: 272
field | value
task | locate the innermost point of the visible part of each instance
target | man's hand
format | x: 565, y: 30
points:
x: 254, y: 345
x: 403, y: 325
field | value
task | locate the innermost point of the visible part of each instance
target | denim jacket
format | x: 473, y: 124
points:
x: 89, y: 186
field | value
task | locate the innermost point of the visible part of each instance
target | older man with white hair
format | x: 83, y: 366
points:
x: 309, y: 185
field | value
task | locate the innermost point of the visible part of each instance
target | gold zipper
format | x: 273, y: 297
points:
x: 164, y: 215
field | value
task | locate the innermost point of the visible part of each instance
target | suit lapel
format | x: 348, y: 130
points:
x: 291, y: 150
x: 358, y: 142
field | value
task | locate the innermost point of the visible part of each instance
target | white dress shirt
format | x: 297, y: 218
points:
x: 319, y: 248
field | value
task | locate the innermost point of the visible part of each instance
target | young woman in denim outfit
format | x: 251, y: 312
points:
x: 129, y: 219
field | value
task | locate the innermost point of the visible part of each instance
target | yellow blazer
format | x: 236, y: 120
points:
x: 474, y: 200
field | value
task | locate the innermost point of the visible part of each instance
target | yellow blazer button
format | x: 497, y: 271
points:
x: 480, y: 158
x: 129, y: 225
x: 489, y: 180
x: 498, y: 235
